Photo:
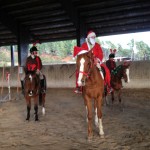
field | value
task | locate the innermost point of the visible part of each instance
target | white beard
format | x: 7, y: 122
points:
x: 92, y: 41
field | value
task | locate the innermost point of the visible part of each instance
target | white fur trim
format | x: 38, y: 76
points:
x: 82, y: 52
x: 91, y: 35
x: 87, y: 44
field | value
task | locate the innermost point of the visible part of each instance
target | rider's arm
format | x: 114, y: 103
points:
x: 39, y: 63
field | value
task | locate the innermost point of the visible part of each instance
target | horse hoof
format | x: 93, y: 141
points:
x: 36, y: 119
x: 90, y: 138
x: 102, y: 136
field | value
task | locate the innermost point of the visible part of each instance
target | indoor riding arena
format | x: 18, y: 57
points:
x: 64, y: 125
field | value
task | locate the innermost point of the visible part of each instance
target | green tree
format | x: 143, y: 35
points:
x: 143, y: 50
x: 132, y: 48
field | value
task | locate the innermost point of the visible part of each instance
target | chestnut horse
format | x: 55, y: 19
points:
x: 32, y: 91
x: 92, y: 88
x: 119, y: 73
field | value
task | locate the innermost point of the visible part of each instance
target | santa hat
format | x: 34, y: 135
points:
x: 91, y: 34
x: 78, y: 51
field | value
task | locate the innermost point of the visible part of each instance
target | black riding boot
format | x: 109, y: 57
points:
x: 42, y: 85
x: 22, y: 87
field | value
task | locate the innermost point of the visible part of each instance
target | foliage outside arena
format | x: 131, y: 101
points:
x: 61, y: 52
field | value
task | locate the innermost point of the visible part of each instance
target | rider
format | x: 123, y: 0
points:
x: 34, y: 63
x: 110, y: 63
x: 90, y: 44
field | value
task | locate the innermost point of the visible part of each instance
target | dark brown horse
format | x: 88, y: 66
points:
x: 32, y: 91
x: 119, y: 73
x: 92, y: 88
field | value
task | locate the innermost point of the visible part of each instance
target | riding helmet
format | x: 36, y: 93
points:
x: 33, y: 48
x: 111, y: 55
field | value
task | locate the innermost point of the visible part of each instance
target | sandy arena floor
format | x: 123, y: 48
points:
x: 64, y: 126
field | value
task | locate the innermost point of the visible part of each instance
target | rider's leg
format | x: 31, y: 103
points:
x: 22, y: 76
x: 100, y: 70
x: 42, y: 82
x: 107, y: 78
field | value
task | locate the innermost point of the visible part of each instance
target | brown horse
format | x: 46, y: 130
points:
x: 32, y: 91
x: 119, y: 73
x: 92, y: 88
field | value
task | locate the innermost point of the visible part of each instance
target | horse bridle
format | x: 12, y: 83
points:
x: 31, y: 76
x: 115, y: 71
x: 87, y: 74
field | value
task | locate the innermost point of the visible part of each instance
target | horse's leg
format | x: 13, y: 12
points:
x: 112, y: 97
x: 99, y: 113
x: 86, y: 110
x: 89, y: 107
x: 28, y: 101
x: 105, y: 96
x: 120, y: 100
x: 36, y: 108
x: 119, y: 96
x: 95, y: 109
x: 43, y: 103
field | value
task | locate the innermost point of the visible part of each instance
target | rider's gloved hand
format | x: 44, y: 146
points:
x: 37, y: 71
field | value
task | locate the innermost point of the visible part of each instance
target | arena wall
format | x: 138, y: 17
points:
x: 58, y: 76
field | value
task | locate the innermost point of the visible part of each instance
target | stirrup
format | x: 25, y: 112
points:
x: 109, y: 90
x: 43, y: 90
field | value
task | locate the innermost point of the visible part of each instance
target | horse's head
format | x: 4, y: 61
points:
x: 122, y: 71
x: 126, y: 77
x: 31, y: 84
x: 84, y: 63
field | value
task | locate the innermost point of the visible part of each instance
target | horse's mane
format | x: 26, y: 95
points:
x: 30, y: 72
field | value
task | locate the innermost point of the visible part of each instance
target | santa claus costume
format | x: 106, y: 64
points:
x: 90, y: 44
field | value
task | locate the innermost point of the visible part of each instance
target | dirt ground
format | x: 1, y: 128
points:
x: 64, y: 126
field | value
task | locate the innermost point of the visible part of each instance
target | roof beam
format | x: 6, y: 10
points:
x: 9, y: 22
x: 118, y: 16
x: 71, y: 11
x: 53, y: 31
x: 32, y: 9
x: 124, y: 21
x: 46, y: 20
x: 120, y: 9
x: 122, y: 29
x: 51, y: 25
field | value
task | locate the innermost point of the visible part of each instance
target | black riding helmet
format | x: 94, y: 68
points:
x: 111, y: 55
x: 33, y: 48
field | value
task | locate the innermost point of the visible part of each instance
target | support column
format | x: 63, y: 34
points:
x: 81, y: 32
x: 12, y: 56
x: 23, y: 45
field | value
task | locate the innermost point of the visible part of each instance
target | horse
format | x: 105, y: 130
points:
x: 119, y: 73
x: 92, y: 88
x: 32, y: 91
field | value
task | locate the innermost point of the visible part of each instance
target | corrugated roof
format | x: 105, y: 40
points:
x: 54, y: 20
